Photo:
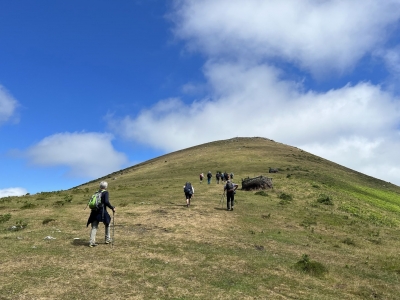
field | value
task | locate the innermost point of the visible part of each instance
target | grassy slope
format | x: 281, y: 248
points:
x: 164, y: 250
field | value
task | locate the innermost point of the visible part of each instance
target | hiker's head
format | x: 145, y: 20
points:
x: 103, y: 185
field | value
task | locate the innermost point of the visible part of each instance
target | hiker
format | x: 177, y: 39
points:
x: 201, y: 177
x: 188, y: 189
x: 226, y: 176
x: 230, y: 189
x: 231, y: 175
x: 218, y: 176
x: 209, y: 175
x: 101, y: 215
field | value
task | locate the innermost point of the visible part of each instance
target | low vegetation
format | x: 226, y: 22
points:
x: 324, y: 232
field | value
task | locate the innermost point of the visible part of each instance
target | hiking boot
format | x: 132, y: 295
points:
x: 92, y: 245
x: 108, y: 241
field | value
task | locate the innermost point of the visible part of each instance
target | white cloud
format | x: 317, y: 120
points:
x: 356, y: 125
x: 377, y: 157
x: 85, y: 154
x: 319, y: 36
x: 16, y: 191
x: 8, y: 105
x: 252, y: 101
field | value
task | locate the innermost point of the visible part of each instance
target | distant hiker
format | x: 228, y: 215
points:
x: 218, y: 177
x: 231, y: 175
x: 201, y: 177
x: 209, y: 175
x: 188, y: 189
x: 101, y: 215
x: 226, y: 176
x: 230, y: 189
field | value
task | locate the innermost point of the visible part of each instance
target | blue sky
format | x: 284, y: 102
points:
x: 90, y: 87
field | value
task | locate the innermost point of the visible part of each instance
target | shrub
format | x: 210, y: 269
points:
x: 285, y: 198
x: 349, y: 241
x: 5, y: 218
x: 310, y: 267
x: 324, y: 199
x: 68, y: 198
x: 47, y: 220
x: 28, y: 205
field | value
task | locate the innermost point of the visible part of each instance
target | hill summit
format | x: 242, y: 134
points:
x: 323, y: 231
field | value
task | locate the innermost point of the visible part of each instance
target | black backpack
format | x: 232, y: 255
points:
x: 188, y: 188
x: 229, y: 187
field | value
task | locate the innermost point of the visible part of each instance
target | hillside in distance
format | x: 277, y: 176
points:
x: 323, y: 231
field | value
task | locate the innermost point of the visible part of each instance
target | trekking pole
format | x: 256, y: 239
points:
x: 113, y: 231
x: 220, y: 201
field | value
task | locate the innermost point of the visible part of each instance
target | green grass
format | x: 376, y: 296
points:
x: 324, y: 232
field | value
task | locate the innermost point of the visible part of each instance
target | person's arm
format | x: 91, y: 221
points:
x: 235, y: 187
x: 107, y: 201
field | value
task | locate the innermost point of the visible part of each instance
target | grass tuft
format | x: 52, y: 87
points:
x: 310, y: 267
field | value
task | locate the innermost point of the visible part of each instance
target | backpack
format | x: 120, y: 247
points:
x: 229, y: 187
x: 188, y: 189
x: 95, y: 201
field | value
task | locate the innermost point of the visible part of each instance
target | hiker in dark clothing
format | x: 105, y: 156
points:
x: 218, y: 176
x: 209, y: 175
x: 101, y: 215
x: 188, y: 189
x: 230, y: 189
x: 201, y: 177
x: 226, y: 176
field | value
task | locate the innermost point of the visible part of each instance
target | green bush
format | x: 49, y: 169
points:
x: 5, y: 218
x: 285, y: 198
x: 324, y: 199
x: 310, y: 267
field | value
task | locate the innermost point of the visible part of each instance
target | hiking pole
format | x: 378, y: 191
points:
x: 113, y: 231
x: 220, y: 201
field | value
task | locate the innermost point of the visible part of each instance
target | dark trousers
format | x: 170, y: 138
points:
x: 230, y: 197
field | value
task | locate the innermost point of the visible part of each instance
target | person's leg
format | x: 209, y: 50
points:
x: 107, y: 234
x: 232, y: 200
x: 187, y: 200
x: 93, y: 232
x: 228, y: 201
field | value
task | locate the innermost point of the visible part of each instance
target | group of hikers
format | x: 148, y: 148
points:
x: 229, y: 188
x: 99, y: 212
x: 223, y: 177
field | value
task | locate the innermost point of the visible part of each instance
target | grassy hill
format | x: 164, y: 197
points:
x: 323, y: 232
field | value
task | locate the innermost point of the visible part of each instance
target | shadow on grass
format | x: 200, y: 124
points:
x: 80, y: 243
x: 220, y: 208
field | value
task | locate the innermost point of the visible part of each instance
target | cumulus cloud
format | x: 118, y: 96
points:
x: 247, y: 43
x: 8, y: 105
x: 85, y: 154
x: 15, y: 191
x: 254, y: 101
x: 316, y: 35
